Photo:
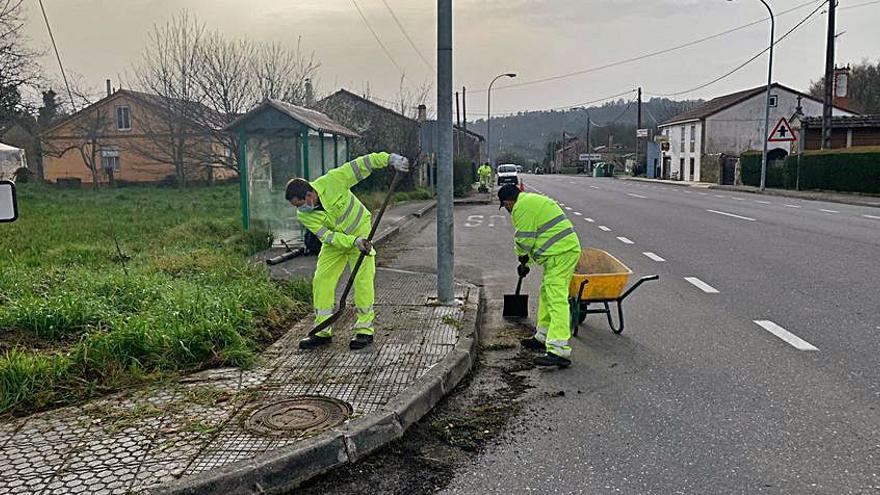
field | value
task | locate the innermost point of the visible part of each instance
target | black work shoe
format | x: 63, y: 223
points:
x: 360, y: 341
x: 313, y: 341
x: 533, y: 344
x: 552, y: 360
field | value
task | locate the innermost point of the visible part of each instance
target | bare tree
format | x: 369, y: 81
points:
x: 283, y: 74
x: 177, y: 125
x: 18, y: 65
x: 408, y: 99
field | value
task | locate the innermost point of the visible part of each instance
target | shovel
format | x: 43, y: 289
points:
x: 357, y: 266
x: 516, y: 306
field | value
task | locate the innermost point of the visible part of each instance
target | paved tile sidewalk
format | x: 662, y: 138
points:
x: 133, y: 440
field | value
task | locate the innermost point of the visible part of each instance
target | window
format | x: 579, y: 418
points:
x: 691, y: 172
x: 693, y: 138
x: 123, y: 118
x: 110, y: 159
x: 682, y: 140
x: 774, y: 100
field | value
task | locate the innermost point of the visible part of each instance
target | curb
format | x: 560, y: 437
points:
x: 806, y: 195
x: 286, y: 468
x: 472, y: 201
x: 698, y: 185
x: 402, y: 224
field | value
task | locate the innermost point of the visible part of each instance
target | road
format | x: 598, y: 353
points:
x: 751, y: 367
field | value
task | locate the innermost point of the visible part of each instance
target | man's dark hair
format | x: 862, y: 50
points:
x: 508, y: 192
x: 297, y: 188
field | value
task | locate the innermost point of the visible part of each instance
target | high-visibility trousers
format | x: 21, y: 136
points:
x: 484, y: 180
x: 553, y: 328
x: 331, y: 264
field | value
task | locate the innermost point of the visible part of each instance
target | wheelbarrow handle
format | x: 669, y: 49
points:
x: 637, y: 284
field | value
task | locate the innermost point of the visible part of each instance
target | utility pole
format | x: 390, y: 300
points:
x: 445, y: 247
x: 828, y: 104
x: 457, y: 142
x: 464, y: 108
x: 639, y: 126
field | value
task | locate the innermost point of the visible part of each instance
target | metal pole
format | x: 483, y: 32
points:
x: 445, y: 239
x: 489, y: 115
x: 769, y: 83
x: 828, y: 104
x: 639, y: 126
x: 457, y: 142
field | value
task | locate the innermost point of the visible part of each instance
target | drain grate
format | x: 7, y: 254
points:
x: 298, y: 416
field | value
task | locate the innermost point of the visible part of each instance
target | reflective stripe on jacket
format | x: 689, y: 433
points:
x: 542, y: 229
x: 344, y: 218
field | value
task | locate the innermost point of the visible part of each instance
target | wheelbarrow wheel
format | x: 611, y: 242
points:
x: 583, y: 313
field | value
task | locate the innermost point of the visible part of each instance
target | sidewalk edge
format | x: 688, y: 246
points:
x: 286, y: 468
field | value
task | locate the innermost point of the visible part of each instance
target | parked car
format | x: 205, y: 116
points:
x: 507, y: 173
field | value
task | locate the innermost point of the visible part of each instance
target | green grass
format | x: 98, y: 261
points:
x: 74, y: 324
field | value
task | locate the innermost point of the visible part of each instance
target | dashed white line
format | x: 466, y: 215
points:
x: 736, y: 199
x: 653, y: 256
x: 637, y: 196
x: 568, y: 208
x: 577, y: 213
x: 604, y: 228
x: 572, y: 182
x: 720, y: 196
x: 703, y: 286
x: 872, y: 217
x: 792, y: 206
x: 829, y: 211
x: 703, y: 194
x: 589, y: 219
x: 792, y: 339
x: 750, y: 219
x: 594, y: 187
x: 625, y: 240
x: 763, y: 202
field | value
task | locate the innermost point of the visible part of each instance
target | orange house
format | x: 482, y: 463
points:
x: 135, y: 137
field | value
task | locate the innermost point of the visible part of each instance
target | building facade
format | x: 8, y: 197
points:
x: 729, y: 126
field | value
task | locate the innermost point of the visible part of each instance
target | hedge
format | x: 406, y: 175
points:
x: 845, y: 171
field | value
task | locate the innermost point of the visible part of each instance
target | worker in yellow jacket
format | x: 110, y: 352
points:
x: 485, y: 174
x: 545, y: 236
x: 329, y: 209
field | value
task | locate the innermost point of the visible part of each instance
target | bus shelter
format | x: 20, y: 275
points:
x: 277, y: 142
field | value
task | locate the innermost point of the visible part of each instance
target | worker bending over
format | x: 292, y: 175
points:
x: 485, y: 174
x: 329, y: 209
x: 545, y: 236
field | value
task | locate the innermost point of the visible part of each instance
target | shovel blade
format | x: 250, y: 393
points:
x: 516, y: 306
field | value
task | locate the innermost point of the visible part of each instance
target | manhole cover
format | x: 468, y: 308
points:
x: 298, y: 416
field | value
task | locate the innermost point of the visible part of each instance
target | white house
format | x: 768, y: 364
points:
x: 731, y: 125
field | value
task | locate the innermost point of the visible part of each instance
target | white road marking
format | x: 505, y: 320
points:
x: 577, y: 213
x: 568, y: 208
x: 720, y: 196
x: 829, y: 211
x: 750, y: 219
x: 604, y: 228
x: 625, y: 240
x: 793, y: 206
x: 763, y: 202
x: 792, y: 339
x: 589, y: 219
x: 703, y: 286
x: 572, y: 182
x: 873, y: 217
x: 637, y: 196
x: 594, y: 187
x: 688, y: 192
x: 703, y: 194
x: 736, y: 199
x: 653, y: 256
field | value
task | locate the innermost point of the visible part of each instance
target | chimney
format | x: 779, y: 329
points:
x: 841, y: 87
x: 310, y: 94
x: 109, y: 88
x: 423, y: 113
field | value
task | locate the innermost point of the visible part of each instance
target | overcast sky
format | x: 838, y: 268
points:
x: 534, y: 38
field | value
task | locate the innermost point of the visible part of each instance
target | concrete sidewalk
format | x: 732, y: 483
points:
x: 294, y: 415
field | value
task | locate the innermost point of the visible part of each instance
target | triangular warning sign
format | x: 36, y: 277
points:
x: 782, y: 133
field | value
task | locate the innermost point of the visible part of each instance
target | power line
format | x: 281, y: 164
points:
x: 747, y: 62
x: 646, y: 55
x: 562, y: 107
x: 406, y: 35
x: 58, y: 57
x: 376, y: 36
x: 606, y: 124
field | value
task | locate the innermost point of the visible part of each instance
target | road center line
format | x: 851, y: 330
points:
x: 604, y: 228
x: 637, y: 196
x: 873, y: 217
x: 736, y: 199
x: 568, y: 208
x: 720, y: 196
x: 792, y: 206
x: 653, y: 256
x: 829, y: 211
x: 750, y: 219
x: 763, y: 202
x: 589, y: 219
x: 792, y: 339
x: 577, y: 213
x: 703, y: 194
x: 703, y: 286
x: 594, y: 187
x: 625, y: 240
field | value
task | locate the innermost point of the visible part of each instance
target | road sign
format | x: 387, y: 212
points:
x: 664, y: 146
x: 782, y: 133
x: 589, y: 157
x: 641, y: 133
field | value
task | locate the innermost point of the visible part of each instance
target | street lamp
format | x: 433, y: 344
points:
x: 489, y: 112
x: 769, y: 82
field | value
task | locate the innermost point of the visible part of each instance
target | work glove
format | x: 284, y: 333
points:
x: 522, y: 270
x: 524, y: 260
x: 400, y: 163
x: 363, y: 245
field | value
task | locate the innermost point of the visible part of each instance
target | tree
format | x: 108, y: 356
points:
x: 18, y: 62
x: 511, y: 157
x: 864, y: 87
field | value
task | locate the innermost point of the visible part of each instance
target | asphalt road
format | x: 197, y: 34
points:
x: 751, y: 367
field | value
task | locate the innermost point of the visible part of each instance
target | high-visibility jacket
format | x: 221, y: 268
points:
x: 542, y: 229
x: 484, y: 171
x: 343, y: 218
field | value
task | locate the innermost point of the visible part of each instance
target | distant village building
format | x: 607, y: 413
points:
x: 730, y: 125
